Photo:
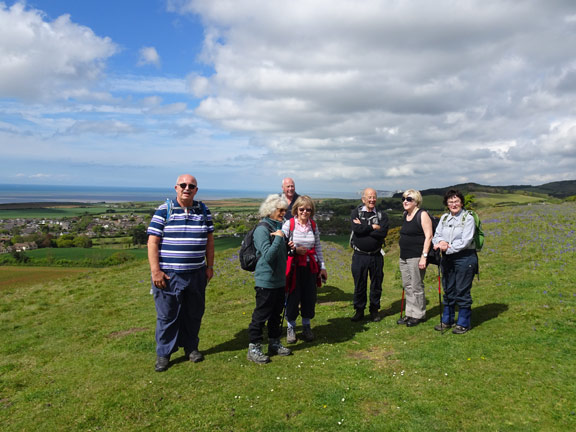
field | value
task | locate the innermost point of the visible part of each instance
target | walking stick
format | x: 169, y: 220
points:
x: 284, y: 311
x: 440, y: 299
x: 402, y: 303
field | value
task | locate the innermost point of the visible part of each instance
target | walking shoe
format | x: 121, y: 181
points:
x: 256, y: 355
x: 291, y: 335
x: 460, y: 330
x: 403, y: 320
x: 374, y: 317
x: 195, y: 356
x: 161, y: 364
x: 276, y: 348
x: 412, y: 322
x: 443, y: 326
x: 307, y: 334
x: 358, y: 315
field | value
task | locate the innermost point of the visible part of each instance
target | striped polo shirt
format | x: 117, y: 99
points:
x: 184, y: 236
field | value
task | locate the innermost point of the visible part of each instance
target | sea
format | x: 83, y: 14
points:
x: 15, y: 193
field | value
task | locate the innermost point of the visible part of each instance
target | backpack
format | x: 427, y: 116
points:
x: 478, y: 232
x: 248, y: 255
x: 435, y: 220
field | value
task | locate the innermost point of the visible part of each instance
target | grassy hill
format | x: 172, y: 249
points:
x: 559, y: 189
x: 77, y: 353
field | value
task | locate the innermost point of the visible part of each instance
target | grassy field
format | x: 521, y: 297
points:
x: 22, y: 277
x: 78, y: 353
x: 485, y: 199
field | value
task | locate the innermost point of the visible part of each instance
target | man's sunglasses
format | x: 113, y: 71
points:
x: 190, y: 186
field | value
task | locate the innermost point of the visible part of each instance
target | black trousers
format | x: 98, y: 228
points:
x: 363, y: 266
x: 269, y: 307
x: 303, y: 299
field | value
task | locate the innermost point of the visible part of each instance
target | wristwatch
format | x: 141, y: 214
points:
x: 425, y: 255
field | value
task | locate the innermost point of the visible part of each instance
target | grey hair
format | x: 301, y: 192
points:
x: 270, y: 204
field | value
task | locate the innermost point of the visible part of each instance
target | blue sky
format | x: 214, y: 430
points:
x: 337, y: 94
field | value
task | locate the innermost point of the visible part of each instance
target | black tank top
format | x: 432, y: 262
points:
x: 411, y: 237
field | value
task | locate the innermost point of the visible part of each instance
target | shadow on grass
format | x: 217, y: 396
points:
x: 480, y: 314
x: 331, y: 293
x: 336, y: 331
x: 487, y: 312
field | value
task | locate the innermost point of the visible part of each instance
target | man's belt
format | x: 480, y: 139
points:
x: 361, y: 252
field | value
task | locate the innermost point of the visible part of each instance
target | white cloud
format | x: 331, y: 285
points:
x: 42, y: 59
x: 470, y: 85
x: 149, y: 56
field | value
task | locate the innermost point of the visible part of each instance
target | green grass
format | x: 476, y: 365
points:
x: 21, y: 277
x: 78, y: 353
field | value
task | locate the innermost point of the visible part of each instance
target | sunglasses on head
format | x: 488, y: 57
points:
x: 409, y: 199
x: 189, y: 185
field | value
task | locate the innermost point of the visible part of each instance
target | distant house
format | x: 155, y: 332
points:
x: 21, y: 247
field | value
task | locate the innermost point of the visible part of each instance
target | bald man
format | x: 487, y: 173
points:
x: 181, y: 257
x: 369, y: 229
x: 289, y: 192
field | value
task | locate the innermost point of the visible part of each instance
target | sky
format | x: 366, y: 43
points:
x: 337, y: 94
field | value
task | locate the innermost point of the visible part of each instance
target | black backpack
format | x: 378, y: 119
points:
x: 248, y: 255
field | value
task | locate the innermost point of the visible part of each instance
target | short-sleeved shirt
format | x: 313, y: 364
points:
x: 184, y: 235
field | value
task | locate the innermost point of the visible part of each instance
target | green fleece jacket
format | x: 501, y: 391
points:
x: 272, y: 254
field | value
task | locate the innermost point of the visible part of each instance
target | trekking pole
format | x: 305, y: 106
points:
x: 284, y: 311
x: 440, y: 297
x: 402, y: 303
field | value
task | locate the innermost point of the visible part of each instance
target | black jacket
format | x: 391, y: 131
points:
x: 364, y: 237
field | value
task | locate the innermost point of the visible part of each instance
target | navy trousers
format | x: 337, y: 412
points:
x: 179, y: 310
x: 458, y: 272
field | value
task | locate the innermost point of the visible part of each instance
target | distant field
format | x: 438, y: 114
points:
x: 51, y: 212
x: 492, y: 199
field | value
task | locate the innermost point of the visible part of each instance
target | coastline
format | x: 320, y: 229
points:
x: 58, y: 195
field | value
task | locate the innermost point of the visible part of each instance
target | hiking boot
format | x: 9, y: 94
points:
x: 276, y: 348
x: 413, y: 322
x: 256, y: 355
x: 358, y: 315
x: 161, y: 364
x: 291, y: 335
x: 443, y: 326
x: 195, y: 356
x: 403, y: 320
x: 307, y: 334
x: 374, y: 317
x: 460, y: 330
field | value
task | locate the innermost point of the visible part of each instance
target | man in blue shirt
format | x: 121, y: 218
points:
x: 181, y: 257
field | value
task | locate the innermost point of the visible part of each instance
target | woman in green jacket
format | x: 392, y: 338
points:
x: 270, y: 280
